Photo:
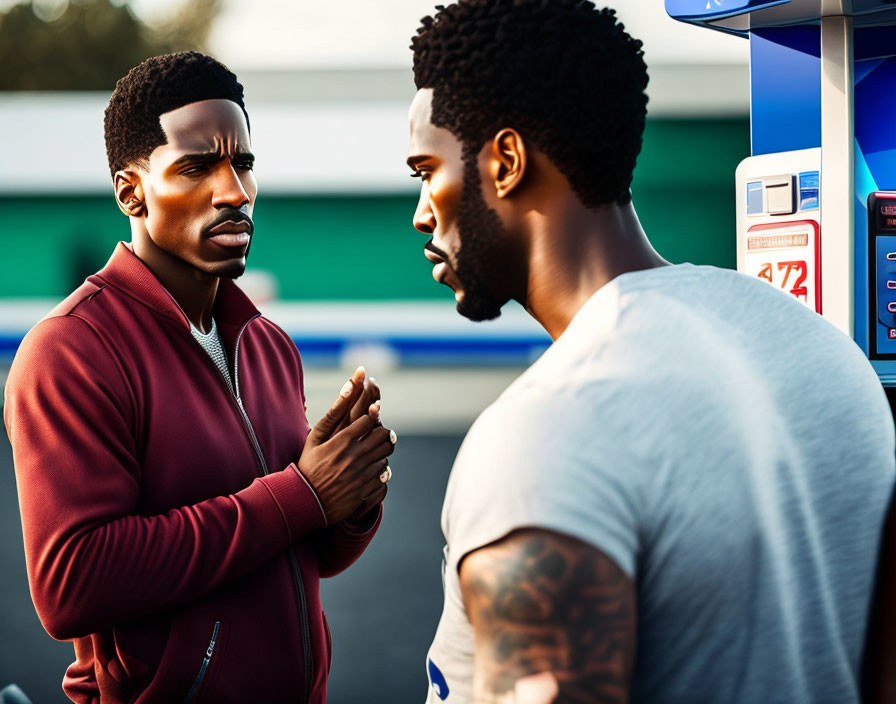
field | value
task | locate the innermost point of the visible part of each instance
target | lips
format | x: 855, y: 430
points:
x: 438, y: 272
x: 231, y: 233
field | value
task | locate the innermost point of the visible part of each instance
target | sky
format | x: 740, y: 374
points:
x: 290, y: 34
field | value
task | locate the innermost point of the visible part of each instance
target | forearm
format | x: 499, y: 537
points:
x: 87, y: 577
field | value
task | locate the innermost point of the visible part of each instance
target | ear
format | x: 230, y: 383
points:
x: 129, y: 192
x: 508, y: 161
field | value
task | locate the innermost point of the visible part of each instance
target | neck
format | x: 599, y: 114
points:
x: 574, y: 251
x: 193, y: 290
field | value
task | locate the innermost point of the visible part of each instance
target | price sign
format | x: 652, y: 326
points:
x: 786, y: 256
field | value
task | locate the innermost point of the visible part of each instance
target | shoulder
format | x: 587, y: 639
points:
x: 266, y: 331
x: 62, y: 359
x: 550, y: 461
x: 58, y: 335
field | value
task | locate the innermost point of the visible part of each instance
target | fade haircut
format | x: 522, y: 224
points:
x: 156, y: 86
x: 563, y: 74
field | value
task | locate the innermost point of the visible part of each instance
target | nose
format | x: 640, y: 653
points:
x: 424, y: 218
x: 230, y: 191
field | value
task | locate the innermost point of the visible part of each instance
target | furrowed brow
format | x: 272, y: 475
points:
x: 204, y: 158
x: 211, y: 158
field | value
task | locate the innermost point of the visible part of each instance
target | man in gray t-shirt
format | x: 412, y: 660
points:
x: 681, y: 501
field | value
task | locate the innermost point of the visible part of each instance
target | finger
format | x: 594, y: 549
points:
x: 374, y: 410
x: 375, y: 473
x: 377, y: 453
x: 376, y: 437
x: 347, y: 396
x: 370, y: 394
x: 373, y: 390
x: 359, y: 428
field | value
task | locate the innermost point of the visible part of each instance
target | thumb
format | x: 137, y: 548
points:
x: 343, y: 403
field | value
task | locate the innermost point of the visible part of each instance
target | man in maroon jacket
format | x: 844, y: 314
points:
x: 177, y: 509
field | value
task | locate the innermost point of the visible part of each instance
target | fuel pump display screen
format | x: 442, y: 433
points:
x: 786, y: 256
x: 882, y: 270
x: 883, y: 212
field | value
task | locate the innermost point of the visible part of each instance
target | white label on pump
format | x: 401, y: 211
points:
x: 786, y: 256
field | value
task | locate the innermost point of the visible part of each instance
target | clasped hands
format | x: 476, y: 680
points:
x: 345, y: 458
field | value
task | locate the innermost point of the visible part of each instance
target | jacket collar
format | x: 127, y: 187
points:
x: 126, y: 271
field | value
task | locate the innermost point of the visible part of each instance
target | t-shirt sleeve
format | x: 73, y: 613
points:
x: 550, y: 462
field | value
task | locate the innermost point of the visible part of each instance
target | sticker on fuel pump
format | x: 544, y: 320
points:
x: 786, y: 255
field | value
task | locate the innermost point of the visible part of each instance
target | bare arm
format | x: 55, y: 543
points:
x: 541, y: 602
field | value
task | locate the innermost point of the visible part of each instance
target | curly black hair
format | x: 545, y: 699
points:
x: 156, y: 86
x: 562, y: 73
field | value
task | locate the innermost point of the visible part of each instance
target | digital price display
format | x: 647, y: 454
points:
x: 786, y: 255
x: 885, y: 211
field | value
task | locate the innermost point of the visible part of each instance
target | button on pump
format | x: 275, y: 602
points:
x: 891, y: 256
x: 891, y: 306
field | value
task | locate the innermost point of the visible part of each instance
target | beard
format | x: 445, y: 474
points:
x: 481, y: 234
x: 231, y: 270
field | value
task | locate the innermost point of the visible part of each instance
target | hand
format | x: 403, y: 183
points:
x: 344, y: 465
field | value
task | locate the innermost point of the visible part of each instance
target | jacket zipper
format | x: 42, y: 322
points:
x: 197, y: 683
x: 301, y: 599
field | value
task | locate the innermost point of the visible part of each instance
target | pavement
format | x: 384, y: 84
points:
x: 382, y: 612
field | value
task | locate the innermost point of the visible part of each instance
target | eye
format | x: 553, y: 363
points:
x: 422, y: 174
x: 194, y: 170
x: 244, y: 164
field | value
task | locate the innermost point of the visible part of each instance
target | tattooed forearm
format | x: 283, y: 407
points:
x: 543, y: 602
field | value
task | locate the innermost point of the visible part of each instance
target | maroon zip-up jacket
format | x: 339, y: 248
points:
x: 167, y: 529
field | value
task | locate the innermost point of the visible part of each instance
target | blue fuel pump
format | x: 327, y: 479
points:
x: 816, y: 200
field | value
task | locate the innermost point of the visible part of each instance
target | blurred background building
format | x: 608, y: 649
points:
x: 335, y: 260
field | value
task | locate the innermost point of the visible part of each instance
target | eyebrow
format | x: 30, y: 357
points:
x: 413, y: 161
x: 210, y: 158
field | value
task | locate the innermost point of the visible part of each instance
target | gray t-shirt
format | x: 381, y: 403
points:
x: 729, y: 449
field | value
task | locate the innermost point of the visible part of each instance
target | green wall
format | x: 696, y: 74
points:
x: 363, y: 247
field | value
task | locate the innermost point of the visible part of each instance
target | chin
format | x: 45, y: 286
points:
x: 478, y: 308
x: 228, y: 270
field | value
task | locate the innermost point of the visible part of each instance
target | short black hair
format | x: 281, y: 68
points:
x: 156, y: 86
x: 562, y: 73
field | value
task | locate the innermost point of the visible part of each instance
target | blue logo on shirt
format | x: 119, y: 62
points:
x: 437, y: 681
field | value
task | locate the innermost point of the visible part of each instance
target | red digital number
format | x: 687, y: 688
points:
x: 799, y: 270
x: 798, y: 289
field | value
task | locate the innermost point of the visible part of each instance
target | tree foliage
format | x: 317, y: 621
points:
x: 90, y: 44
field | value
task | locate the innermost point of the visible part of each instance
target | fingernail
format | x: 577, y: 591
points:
x: 346, y: 390
x: 372, y: 380
x: 393, y: 437
x: 362, y: 371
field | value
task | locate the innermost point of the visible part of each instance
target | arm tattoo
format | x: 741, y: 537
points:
x: 540, y: 601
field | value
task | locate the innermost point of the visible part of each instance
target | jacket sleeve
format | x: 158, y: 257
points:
x: 340, y: 545
x: 93, y: 561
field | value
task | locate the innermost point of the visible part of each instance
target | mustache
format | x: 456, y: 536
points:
x: 230, y: 215
x: 435, y: 250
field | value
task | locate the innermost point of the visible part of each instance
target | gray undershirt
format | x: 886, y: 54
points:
x: 211, y: 343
